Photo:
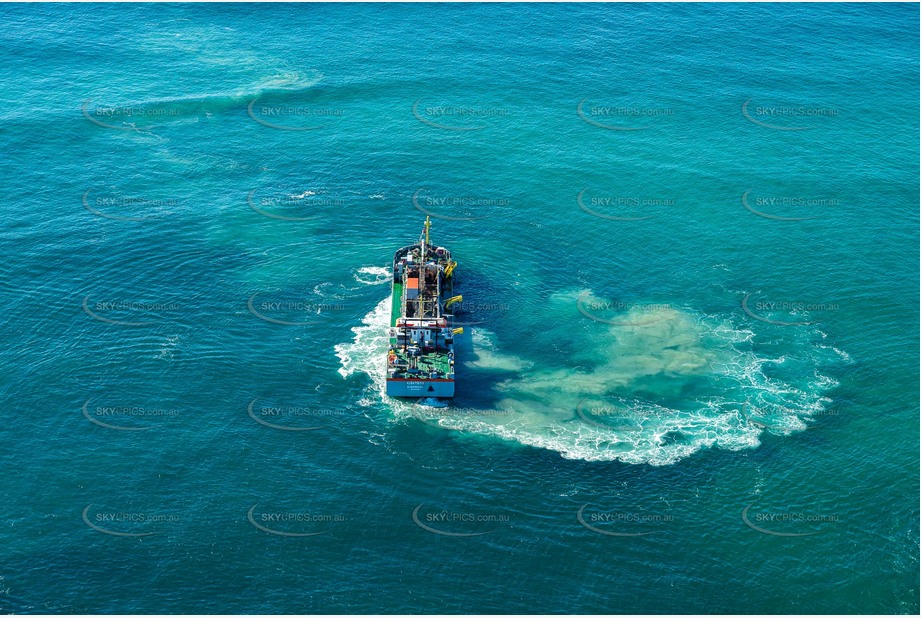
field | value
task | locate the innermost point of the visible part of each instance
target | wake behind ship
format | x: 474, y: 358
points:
x: 420, y: 361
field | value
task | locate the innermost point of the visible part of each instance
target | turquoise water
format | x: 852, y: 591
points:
x: 687, y: 239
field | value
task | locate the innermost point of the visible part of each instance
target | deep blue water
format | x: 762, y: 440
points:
x: 688, y: 248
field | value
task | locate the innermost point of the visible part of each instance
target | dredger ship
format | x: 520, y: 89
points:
x: 420, y: 361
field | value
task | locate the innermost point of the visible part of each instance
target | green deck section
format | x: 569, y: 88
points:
x: 396, y: 310
x: 430, y: 362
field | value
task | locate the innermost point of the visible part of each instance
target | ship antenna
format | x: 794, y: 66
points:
x: 428, y: 224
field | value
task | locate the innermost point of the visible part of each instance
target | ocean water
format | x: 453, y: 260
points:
x: 688, y: 248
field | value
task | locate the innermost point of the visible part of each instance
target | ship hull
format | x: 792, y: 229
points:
x: 420, y: 388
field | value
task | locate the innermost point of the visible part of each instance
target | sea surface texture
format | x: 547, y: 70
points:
x: 687, y: 239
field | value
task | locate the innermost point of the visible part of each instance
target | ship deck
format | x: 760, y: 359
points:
x: 433, y: 361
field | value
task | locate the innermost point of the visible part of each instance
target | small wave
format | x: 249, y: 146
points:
x: 187, y: 108
x: 372, y: 275
x: 844, y: 356
x: 168, y: 348
x: 319, y: 291
x: 288, y: 80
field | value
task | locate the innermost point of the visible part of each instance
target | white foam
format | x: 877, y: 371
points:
x: 372, y: 275
x: 841, y: 353
x: 539, y: 405
x: 366, y: 351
